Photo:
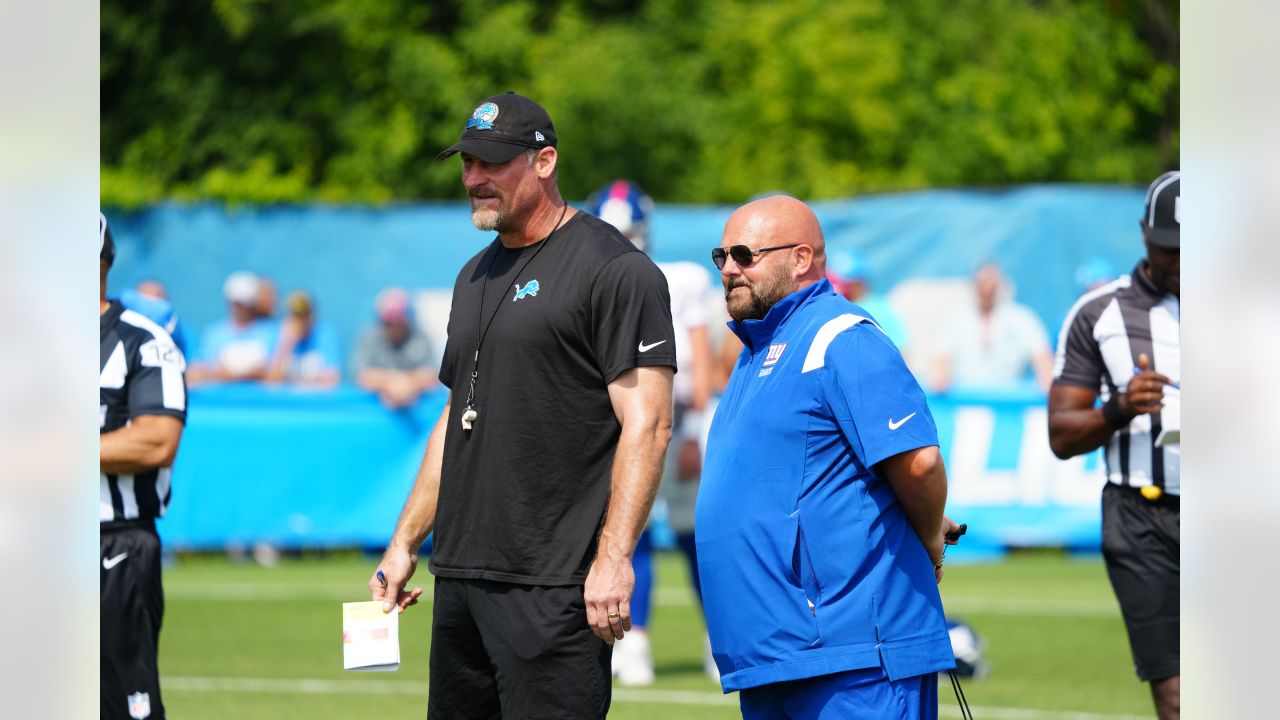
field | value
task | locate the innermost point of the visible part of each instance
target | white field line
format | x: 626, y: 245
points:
x: 276, y: 591
x: 316, y: 686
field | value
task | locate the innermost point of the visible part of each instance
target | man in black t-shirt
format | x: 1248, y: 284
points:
x: 540, y: 473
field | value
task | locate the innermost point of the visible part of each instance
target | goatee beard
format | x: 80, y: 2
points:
x: 488, y: 219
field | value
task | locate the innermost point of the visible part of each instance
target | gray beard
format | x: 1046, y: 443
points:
x: 488, y: 219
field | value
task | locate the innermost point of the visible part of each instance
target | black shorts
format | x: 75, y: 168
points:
x: 1140, y: 544
x: 500, y: 650
x: 131, y: 605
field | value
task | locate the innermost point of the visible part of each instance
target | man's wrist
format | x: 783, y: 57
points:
x: 611, y: 549
x: 1113, y: 415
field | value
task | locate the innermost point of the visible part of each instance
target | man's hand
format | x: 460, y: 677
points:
x: 608, y: 596
x: 937, y: 546
x: 1145, y: 393
x: 397, y: 567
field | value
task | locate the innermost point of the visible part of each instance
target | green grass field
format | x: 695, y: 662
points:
x: 246, y: 642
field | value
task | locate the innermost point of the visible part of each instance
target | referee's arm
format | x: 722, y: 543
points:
x: 1077, y: 427
x: 147, y: 443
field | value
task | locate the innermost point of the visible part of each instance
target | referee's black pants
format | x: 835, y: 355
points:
x: 131, y: 606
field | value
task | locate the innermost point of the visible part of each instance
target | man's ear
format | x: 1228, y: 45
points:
x: 804, y: 259
x: 545, y: 163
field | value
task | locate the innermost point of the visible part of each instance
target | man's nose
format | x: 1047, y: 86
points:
x: 472, y: 175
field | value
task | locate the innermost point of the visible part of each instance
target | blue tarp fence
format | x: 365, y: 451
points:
x: 345, y: 255
x: 330, y: 469
x: 325, y: 469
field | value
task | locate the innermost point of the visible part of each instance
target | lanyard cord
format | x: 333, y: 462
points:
x: 483, y: 330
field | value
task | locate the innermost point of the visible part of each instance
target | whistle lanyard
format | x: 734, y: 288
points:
x: 469, y: 413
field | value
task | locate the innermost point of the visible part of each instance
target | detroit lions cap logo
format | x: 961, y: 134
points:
x: 482, y: 118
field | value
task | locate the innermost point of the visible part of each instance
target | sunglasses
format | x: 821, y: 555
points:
x: 742, y: 255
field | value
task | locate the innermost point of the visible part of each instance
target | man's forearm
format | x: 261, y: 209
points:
x: 149, y: 443
x: 637, y: 470
x: 1076, y: 432
x: 1076, y: 426
x: 919, y: 479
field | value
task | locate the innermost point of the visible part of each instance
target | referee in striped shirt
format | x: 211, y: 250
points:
x: 142, y: 407
x: 1120, y: 343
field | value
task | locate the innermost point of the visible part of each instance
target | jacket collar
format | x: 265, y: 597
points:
x: 757, y: 333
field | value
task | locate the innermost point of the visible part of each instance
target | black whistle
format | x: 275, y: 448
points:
x: 954, y: 535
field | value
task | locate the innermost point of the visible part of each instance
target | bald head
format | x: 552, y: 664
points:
x: 781, y: 220
x: 796, y: 256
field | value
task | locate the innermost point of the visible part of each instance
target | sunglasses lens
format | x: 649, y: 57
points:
x: 742, y: 255
x: 717, y: 257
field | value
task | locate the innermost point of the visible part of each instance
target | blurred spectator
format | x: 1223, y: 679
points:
x: 152, y: 288
x: 394, y: 358
x: 849, y: 275
x: 264, y: 305
x: 994, y: 341
x: 307, y: 350
x: 239, y: 347
x: 157, y: 309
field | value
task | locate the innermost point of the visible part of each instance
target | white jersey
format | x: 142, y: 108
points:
x: 690, y: 288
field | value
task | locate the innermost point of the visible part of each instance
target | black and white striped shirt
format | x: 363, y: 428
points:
x: 1102, y: 337
x: 140, y: 374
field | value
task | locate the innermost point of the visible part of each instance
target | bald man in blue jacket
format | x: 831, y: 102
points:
x: 820, y: 520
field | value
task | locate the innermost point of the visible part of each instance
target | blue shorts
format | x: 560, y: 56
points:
x: 866, y: 694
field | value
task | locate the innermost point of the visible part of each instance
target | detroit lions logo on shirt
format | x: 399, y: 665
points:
x: 530, y: 288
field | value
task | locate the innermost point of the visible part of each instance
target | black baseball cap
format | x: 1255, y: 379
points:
x: 1162, y: 217
x: 502, y: 127
x: 106, y: 246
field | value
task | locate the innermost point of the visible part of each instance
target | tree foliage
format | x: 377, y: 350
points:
x: 712, y: 101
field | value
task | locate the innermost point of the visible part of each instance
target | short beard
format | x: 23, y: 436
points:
x: 762, y: 295
x: 489, y: 219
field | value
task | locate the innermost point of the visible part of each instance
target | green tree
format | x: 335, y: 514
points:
x: 349, y: 100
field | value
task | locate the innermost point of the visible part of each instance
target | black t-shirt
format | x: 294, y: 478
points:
x: 523, y: 493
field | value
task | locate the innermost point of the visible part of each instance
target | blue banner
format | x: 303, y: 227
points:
x: 327, y: 469
x: 1040, y: 234
x: 293, y: 468
x: 1003, y: 480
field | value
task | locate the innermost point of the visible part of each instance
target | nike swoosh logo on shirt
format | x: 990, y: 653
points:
x: 895, y: 425
x: 108, y: 563
x: 647, y: 348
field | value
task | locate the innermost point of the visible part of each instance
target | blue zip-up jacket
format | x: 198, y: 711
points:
x: 808, y: 564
